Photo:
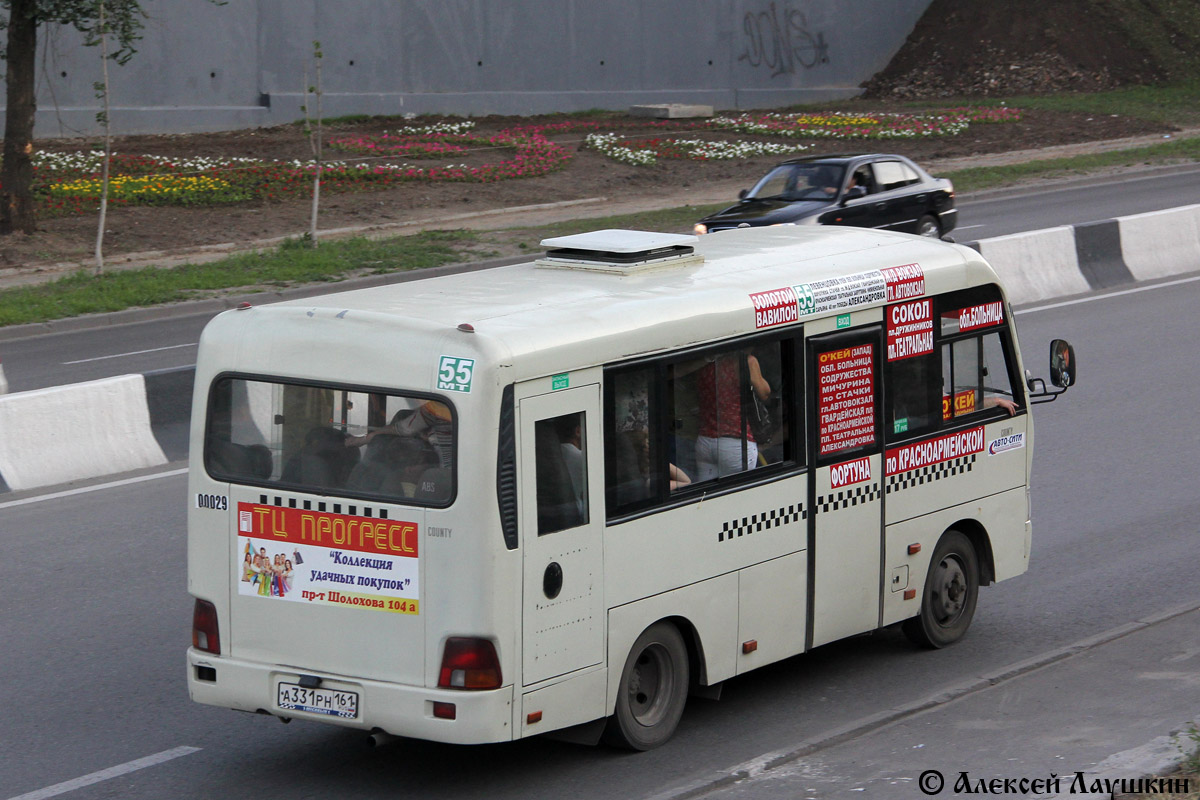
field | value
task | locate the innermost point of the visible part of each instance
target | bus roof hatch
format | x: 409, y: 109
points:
x: 620, y: 251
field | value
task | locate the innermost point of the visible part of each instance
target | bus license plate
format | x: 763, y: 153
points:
x: 330, y: 702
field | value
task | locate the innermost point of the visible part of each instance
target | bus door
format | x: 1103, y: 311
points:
x: 846, y: 526
x: 561, y: 524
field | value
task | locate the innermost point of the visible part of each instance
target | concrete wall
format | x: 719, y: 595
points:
x: 207, y: 67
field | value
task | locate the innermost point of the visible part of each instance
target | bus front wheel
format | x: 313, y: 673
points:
x: 653, y: 690
x: 951, y: 591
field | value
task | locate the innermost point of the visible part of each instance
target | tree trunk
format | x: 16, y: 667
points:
x: 16, y: 176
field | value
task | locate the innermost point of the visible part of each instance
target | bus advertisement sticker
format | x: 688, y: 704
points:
x: 331, y: 559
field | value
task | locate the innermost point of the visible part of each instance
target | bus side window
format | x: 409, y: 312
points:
x: 562, y: 500
x: 976, y: 377
x: 996, y: 378
x: 912, y: 399
x: 631, y: 447
x: 696, y: 419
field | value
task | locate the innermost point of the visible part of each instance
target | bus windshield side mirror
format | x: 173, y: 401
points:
x: 1062, y: 363
x: 1063, y: 372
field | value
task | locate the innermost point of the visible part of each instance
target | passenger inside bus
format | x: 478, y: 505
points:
x: 561, y: 499
x: 324, y: 460
x: 392, y: 465
x: 724, y: 446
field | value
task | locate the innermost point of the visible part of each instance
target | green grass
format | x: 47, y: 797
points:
x: 977, y: 178
x: 1177, y: 104
x: 290, y: 264
x: 1174, y: 104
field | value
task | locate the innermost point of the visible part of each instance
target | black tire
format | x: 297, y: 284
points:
x: 951, y: 592
x: 652, y: 692
x: 928, y: 226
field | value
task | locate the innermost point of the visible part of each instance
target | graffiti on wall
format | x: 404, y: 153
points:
x: 780, y: 39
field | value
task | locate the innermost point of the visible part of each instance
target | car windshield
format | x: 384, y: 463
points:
x: 800, y: 182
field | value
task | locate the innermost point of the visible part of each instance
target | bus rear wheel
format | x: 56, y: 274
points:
x: 951, y: 592
x: 653, y: 690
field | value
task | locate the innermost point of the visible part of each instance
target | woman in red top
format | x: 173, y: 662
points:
x: 725, y: 444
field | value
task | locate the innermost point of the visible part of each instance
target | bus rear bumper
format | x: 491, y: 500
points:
x: 401, y: 710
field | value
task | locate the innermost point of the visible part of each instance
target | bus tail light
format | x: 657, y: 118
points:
x: 204, y: 628
x: 469, y: 664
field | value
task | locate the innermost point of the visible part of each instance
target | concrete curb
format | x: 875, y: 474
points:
x: 153, y: 410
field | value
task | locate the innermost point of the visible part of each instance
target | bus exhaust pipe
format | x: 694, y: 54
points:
x: 379, y: 739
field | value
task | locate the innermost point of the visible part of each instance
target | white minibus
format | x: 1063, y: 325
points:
x: 563, y: 496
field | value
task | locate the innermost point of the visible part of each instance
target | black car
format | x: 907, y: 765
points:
x: 866, y: 191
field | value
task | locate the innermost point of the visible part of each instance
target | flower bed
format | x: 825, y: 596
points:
x: 69, y: 183
x: 833, y: 125
x: 648, y: 151
x: 533, y: 153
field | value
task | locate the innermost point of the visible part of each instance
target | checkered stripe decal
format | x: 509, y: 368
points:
x: 931, y: 473
x: 336, y: 508
x: 761, y: 522
x: 847, y: 498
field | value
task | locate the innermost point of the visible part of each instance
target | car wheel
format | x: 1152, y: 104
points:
x: 653, y: 690
x: 951, y: 591
x: 928, y: 226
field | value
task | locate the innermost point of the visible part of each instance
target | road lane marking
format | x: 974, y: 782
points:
x: 106, y: 774
x: 97, y: 488
x: 131, y: 353
x: 1107, y: 295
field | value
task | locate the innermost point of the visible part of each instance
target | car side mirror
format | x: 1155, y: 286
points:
x: 1062, y: 364
x: 855, y: 192
x: 742, y: 194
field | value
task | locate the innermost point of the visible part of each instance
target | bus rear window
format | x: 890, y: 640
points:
x: 331, y: 440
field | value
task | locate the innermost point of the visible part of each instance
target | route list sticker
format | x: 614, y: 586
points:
x: 846, y: 398
x: 909, y: 329
x: 788, y: 304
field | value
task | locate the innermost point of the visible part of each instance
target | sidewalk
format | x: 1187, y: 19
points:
x: 1107, y: 707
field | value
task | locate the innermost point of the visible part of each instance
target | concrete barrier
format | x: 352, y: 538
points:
x: 1037, y: 265
x: 84, y: 430
x: 1161, y: 243
x: 89, y: 430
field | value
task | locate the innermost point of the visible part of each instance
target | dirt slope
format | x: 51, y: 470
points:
x: 987, y: 48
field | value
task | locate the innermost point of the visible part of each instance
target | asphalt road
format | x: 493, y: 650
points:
x: 94, y: 615
x: 50, y: 360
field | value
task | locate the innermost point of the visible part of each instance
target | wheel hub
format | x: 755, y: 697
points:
x: 647, y: 686
x: 950, y: 591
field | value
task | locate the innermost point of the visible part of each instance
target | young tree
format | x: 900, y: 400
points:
x: 123, y: 23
